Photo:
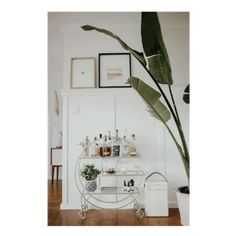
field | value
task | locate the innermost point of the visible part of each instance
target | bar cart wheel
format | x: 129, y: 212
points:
x: 139, y: 213
x: 82, y: 215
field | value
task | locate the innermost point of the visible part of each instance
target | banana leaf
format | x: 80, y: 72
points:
x: 186, y: 96
x: 138, y: 55
x: 154, y: 48
x: 155, y: 107
x: 158, y: 110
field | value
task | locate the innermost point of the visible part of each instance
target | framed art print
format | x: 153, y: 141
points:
x: 114, y: 70
x: 83, y: 72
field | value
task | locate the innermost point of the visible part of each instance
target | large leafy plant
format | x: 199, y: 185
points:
x: 157, y: 65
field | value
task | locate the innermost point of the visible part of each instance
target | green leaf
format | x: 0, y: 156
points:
x: 186, y: 96
x: 151, y: 97
x: 157, y: 110
x: 138, y: 55
x: 154, y: 48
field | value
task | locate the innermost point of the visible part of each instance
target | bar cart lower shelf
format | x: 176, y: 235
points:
x: 138, y: 211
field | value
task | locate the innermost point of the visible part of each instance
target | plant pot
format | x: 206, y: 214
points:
x: 91, y: 185
x: 183, y: 204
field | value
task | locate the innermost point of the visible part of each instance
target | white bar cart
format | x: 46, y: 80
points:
x: 113, y: 195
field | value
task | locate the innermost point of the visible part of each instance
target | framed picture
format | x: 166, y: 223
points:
x: 114, y: 70
x: 83, y: 72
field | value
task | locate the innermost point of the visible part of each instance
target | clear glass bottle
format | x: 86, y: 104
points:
x: 97, y: 152
x: 125, y: 144
x: 128, y: 187
x: 109, y: 134
x: 132, y: 146
x: 105, y: 147
x: 87, y: 142
x: 93, y: 148
x: 131, y: 185
x: 116, y: 145
x: 125, y: 188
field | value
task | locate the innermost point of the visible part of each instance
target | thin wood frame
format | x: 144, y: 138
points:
x: 83, y: 75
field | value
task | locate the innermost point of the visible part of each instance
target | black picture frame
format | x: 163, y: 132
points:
x: 114, y: 69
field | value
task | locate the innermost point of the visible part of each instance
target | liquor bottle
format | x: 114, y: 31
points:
x: 109, y: 144
x: 125, y: 188
x: 100, y: 144
x: 125, y: 144
x: 97, y: 152
x: 126, y: 133
x: 94, y: 148
x: 87, y: 142
x: 109, y: 134
x: 116, y: 145
x: 105, y: 147
x: 131, y: 185
x: 128, y: 187
x: 132, y: 146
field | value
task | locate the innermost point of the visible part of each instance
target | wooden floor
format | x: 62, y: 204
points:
x: 57, y: 217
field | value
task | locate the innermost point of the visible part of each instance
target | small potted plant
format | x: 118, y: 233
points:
x: 90, y: 173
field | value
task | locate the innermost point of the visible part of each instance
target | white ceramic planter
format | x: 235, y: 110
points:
x: 91, y: 185
x: 183, y: 204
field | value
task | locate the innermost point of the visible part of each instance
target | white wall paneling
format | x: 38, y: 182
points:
x: 89, y: 112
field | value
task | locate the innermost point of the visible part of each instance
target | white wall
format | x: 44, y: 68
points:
x: 55, y: 82
x: 79, y: 43
x: 74, y: 42
x: 90, y: 112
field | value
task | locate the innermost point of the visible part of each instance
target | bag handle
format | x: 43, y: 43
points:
x: 156, y: 172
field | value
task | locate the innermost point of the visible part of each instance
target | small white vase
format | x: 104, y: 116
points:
x: 183, y: 204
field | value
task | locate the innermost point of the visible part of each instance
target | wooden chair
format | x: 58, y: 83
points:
x: 56, y: 160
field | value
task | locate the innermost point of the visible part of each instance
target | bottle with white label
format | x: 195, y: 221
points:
x: 125, y: 144
x: 116, y: 145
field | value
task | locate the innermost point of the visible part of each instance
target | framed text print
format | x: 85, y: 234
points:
x: 114, y: 70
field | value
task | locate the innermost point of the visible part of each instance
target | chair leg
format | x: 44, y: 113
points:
x: 57, y: 172
x: 52, y: 173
